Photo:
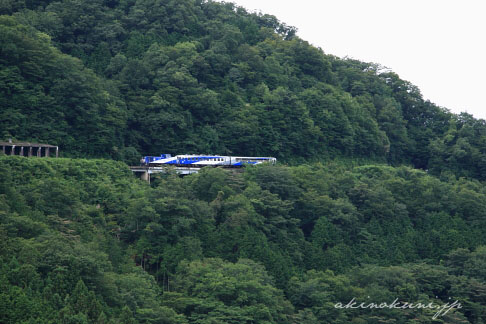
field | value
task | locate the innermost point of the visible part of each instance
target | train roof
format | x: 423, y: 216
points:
x: 253, y: 157
x: 211, y: 156
x: 200, y: 156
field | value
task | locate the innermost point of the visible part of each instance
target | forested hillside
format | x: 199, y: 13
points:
x: 378, y: 194
x: 121, y: 79
x: 83, y: 241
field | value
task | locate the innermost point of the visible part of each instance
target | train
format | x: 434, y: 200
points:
x: 187, y: 160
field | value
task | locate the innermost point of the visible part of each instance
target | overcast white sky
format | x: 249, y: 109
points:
x: 438, y: 45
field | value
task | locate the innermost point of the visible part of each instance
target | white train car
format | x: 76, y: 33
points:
x: 210, y: 160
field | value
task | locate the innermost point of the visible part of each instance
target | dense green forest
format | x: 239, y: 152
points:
x: 379, y: 194
x: 124, y: 78
x: 83, y: 241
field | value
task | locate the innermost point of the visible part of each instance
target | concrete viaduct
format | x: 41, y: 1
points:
x: 29, y: 149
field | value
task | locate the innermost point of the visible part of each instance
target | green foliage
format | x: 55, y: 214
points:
x: 83, y: 241
x: 221, y: 292
x: 201, y: 76
x: 35, y: 80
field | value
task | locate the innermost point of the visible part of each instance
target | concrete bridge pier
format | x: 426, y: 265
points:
x: 146, y: 176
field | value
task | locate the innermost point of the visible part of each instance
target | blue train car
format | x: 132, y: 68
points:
x: 207, y: 160
x: 146, y: 160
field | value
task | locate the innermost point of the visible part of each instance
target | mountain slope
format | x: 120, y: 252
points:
x: 83, y: 241
x: 200, y: 76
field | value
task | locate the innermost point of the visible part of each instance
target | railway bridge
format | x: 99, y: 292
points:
x: 145, y: 171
